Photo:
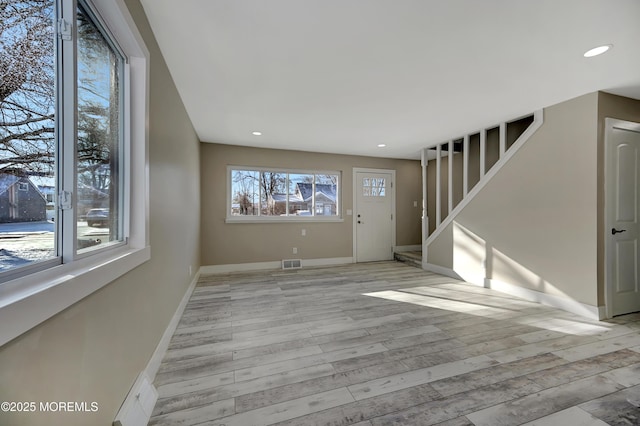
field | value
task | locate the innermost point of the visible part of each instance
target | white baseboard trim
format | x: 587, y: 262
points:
x: 441, y: 270
x: 239, y: 267
x: 569, y: 305
x: 138, y: 405
x: 602, y: 312
x: 327, y: 261
x: 156, y: 359
x: 257, y: 266
x: 400, y: 249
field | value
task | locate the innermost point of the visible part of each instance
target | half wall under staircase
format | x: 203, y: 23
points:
x: 453, y: 172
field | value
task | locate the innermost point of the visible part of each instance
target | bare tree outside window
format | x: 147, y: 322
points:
x: 246, y: 193
x: 27, y: 87
x: 27, y: 130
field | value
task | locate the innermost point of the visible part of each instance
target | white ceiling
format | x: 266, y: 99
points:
x: 345, y: 75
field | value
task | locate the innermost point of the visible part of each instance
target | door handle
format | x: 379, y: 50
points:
x: 614, y: 231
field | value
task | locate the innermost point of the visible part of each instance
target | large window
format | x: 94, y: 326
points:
x: 74, y: 78
x: 265, y: 194
x: 63, y: 141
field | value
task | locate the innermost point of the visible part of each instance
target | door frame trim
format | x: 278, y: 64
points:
x: 357, y: 170
x: 610, y: 125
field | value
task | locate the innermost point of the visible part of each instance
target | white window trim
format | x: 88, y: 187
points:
x: 229, y: 218
x: 29, y: 300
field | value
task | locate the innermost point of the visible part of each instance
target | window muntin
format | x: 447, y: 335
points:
x: 265, y: 194
x: 61, y: 131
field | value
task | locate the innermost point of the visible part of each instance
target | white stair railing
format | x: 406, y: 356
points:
x: 436, y: 154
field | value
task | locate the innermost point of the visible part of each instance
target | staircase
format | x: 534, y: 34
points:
x: 453, y: 172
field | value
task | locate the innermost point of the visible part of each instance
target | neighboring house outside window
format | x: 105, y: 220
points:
x: 20, y: 200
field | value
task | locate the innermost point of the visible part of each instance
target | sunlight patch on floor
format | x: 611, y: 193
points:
x: 438, y: 303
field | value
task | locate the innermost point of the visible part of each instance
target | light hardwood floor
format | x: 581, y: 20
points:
x: 389, y: 344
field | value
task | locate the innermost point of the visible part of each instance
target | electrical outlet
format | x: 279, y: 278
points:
x: 304, y: 232
x: 295, y: 250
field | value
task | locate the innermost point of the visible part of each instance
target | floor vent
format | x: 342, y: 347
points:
x: 292, y: 264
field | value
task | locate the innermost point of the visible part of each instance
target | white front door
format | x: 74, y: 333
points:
x: 622, y: 204
x: 374, y: 216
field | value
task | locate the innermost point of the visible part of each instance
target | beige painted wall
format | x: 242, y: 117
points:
x: 534, y: 225
x: 94, y: 350
x: 611, y: 106
x: 233, y: 243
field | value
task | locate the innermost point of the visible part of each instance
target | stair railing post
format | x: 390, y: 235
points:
x: 438, y: 183
x: 465, y: 166
x: 503, y: 139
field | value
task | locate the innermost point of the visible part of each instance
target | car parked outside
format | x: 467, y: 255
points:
x: 98, y: 217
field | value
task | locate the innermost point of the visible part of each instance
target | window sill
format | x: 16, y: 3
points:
x: 27, y: 301
x: 281, y: 219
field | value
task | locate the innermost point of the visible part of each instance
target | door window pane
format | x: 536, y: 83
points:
x: 374, y: 187
x: 99, y: 148
x: 27, y: 130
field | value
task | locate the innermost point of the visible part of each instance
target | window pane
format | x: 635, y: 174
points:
x: 245, y: 192
x: 273, y: 191
x: 99, y: 168
x: 300, y: 194
x: 374, y: 187
x: 326, y: 195
x: 27, y: 126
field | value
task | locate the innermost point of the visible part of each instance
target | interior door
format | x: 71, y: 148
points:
x: 374, y: 220
x: 623, y: 196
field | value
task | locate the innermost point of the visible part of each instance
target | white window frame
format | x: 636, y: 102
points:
x: 279, y: 219
x: 31, y: 299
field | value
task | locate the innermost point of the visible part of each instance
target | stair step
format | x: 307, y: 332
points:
x: 413, y: 258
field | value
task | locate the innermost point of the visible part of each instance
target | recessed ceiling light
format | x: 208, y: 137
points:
x: 256, y: 133
x: 381, y: 145
x: 597, y: 50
